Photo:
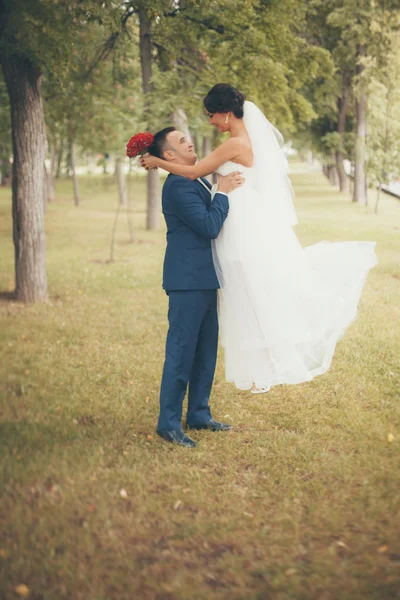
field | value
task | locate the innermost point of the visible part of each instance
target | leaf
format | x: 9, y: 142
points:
x: 383, y: 549
x: 178, y: 505
x: 123, y: 493
x: 22, y: 590
x: 390, y: 438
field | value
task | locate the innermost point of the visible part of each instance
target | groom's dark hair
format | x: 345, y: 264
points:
x: 160, y: 143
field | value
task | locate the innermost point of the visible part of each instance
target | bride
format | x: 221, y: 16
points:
x: 282, y: 308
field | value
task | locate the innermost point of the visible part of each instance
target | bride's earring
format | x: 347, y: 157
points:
x: 226, y: 118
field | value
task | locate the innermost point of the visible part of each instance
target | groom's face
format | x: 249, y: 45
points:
x: 180, y: 150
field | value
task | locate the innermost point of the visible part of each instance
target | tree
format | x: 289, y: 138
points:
x: 37, y: 37
x: 5, y: 135
x: 153, y: 177
x: 331, y: 95
x: 23, y: 76
x: 383, y: 147
x: 365, y: 37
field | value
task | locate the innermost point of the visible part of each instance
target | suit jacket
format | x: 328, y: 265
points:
x: 192, y: 222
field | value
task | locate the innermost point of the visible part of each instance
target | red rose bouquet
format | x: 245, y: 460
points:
x: 139, y: 144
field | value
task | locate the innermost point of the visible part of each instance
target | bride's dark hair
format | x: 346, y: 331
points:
x: 223, y: 98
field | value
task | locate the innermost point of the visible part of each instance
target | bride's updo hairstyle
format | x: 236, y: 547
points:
x: 223, y: 98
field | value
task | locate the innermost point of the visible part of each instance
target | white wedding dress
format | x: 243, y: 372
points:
x: 282, y: 308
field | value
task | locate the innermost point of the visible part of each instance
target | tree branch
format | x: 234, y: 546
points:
x: 207, y: 23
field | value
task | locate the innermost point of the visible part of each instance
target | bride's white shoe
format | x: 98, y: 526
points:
x: 262, y: 390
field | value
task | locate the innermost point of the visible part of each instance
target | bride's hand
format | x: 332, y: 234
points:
x: 148, y: 161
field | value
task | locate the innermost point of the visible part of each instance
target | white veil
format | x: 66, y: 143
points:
x: 270, y: 165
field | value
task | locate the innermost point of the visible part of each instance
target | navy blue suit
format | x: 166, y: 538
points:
x: 191, y: 284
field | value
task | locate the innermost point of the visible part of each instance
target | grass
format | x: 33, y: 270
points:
x: 299, y: 501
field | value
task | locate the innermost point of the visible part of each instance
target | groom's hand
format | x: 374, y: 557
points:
x: 228, y: 183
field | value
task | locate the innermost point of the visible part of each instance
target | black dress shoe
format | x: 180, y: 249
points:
x: 177, y: 436
x: 212, y: 425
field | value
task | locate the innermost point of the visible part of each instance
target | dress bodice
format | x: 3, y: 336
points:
x: 230, y: 167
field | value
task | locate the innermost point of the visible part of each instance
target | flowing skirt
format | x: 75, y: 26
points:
x: 282, y: 308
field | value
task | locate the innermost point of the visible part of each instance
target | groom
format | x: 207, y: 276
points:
x: 193, y: 219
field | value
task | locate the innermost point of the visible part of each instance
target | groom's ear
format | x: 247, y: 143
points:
x: 169, y: 155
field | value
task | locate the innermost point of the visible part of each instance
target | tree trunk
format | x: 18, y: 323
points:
x: 343, y: 180
x: 51, y: 172
x: 60, y: 154
x: 343, y: 105
x: 5, y: 171
x: 351, y: 182
x: 325, y: 170
x: 45, y: 188
x: 359, y: 168
x: 129, y: 213
x: 121, y: 181
x: 29, y: 148
x: 153, y: 177
x: 333, y: 175
x: 310, y: 158
x: 378, y: 197
x: 207, y: 149
x: 198, y: 142
x: 77, y: 198
x: 153, y: 203
x: 359, y: 193
x: 180, y: 121
x: 90, y: 163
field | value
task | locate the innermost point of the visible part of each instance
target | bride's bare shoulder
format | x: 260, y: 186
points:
x: 237, y: 143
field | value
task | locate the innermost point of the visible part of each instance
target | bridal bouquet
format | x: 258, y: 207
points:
x: 139, y: 144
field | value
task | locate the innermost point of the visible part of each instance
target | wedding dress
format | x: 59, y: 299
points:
x: 282, y: 308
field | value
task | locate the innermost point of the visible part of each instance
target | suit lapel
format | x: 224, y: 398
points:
x: 205, y: 191
x: 205, y: 183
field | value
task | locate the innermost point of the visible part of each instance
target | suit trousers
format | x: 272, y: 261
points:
x: 190, y: 357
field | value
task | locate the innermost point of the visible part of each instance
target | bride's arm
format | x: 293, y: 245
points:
x: 229, y: 150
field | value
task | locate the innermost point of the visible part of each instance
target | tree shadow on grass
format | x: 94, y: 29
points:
x: 7, y: 296
x: 35, y: 437
x: 28, y: 441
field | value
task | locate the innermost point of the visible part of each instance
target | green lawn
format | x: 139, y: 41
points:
x: 299, y: 501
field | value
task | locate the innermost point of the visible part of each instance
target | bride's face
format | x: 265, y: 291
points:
x: 218, y: 120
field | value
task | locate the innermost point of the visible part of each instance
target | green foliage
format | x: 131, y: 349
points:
x: 358, y: 36
x: 69, y: 43
x: 44, y: 31
x: 100, y: 102
x: 383, y: 164
x: 292, y: 58
x: 258, y: 47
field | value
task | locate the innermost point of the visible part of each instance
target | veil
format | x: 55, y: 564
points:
x: 271, y: 169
